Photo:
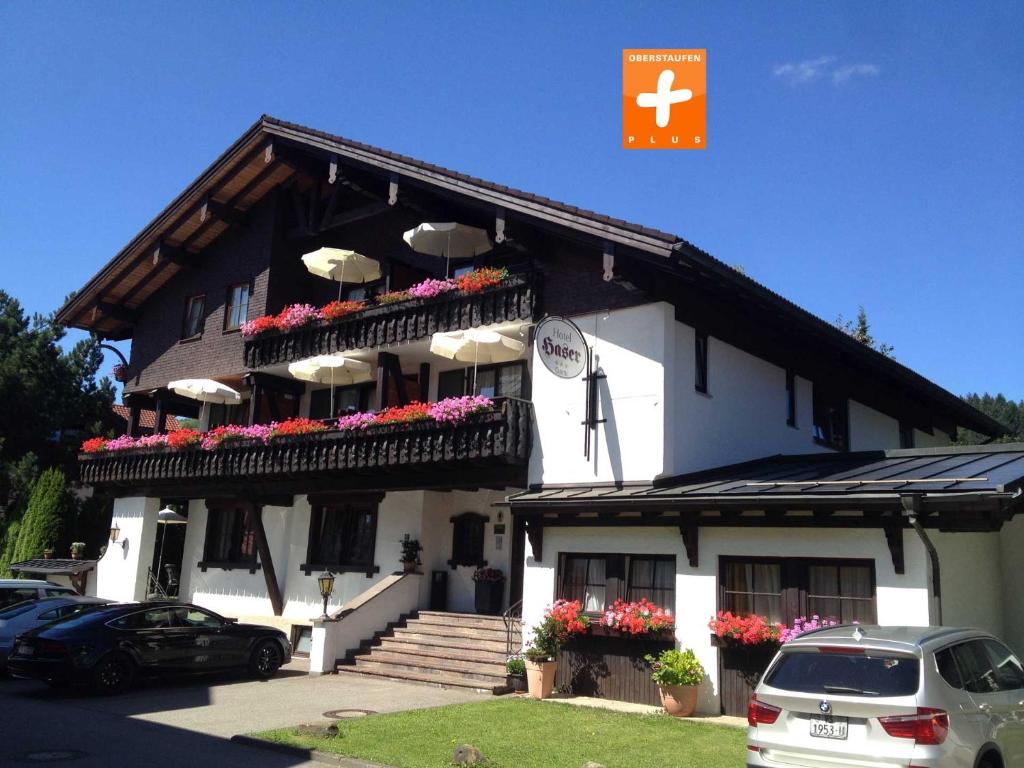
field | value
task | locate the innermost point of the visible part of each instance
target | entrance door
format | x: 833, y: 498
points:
x: 168, y: 550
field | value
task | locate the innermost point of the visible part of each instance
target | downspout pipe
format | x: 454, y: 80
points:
x: 911, y: 510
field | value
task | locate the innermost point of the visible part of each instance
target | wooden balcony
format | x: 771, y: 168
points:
x: 413, y: 320
x: 488, y: 449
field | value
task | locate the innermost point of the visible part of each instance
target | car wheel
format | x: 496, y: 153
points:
x: 113, y: 674
x: 266, y: 659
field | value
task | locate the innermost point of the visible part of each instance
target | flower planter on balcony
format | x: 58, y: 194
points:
x: 377, y: 456
x: 405, y: 321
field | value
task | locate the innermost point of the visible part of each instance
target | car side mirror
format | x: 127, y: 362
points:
x: 230, y: 620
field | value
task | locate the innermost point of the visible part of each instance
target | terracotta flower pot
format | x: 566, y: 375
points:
x: 678, y: 700
x: 409, y: 567
x: 540, y: 678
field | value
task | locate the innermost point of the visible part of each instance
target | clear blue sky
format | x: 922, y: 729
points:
x: 858, y: 153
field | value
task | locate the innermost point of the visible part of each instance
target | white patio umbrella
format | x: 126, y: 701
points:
x: 342, y: 265
x: 331, y: 369
x: 449, y: 239
x: 205, y: 391
x: 476, y: 345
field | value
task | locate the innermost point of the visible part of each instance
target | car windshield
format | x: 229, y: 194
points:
x: 80, y: 618
x: 855, y: 674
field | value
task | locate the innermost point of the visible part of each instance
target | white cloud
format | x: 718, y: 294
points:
x: 803, y: 72
x: 844, y: 73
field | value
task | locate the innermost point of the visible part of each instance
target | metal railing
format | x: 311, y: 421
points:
x: 513, y: 618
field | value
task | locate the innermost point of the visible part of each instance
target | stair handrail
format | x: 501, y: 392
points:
x: 513, y: 619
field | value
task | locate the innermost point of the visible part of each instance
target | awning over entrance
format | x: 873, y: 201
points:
x: 964, y: 477
x: 53, y: 567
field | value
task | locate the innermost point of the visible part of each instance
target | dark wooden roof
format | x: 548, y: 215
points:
x: 790, y: 481
x: 263, y: 158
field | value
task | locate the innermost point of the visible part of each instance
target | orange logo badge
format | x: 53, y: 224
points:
x: 664, y: 98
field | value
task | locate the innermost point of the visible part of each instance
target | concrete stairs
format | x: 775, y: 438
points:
x: 464, y: 650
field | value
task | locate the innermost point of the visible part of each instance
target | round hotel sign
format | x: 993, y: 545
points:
x: 561, y: 347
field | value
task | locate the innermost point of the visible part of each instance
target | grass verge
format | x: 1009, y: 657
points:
x: 528, y: 734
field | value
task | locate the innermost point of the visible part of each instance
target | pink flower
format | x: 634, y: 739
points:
x: 359, y: 421
x: 455, y: 409
x: 297, y: 316
x: 430, y: 288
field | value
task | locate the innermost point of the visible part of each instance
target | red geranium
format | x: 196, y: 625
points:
x: 637, y: 618
x: 339, y: 309
x: 405, y: 414
x: 94, y: 445
x: 478, y: 279
x: 183, y: 438
x: 745, y: 630
x: 300, y: 426
x: 259, y: 325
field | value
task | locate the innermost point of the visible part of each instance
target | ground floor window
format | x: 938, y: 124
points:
x: 230, y: 534
x: 597, y: 581
x: 342, y: 535
x: 785, y: 589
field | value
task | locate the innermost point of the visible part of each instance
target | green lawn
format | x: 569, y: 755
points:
x: 530, y: 734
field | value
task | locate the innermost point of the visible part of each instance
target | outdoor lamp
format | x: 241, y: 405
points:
x: 114, y: 533
x: 326, y: 582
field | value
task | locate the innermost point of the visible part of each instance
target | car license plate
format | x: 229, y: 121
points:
x: 829, y: 727
x: 24, y: 650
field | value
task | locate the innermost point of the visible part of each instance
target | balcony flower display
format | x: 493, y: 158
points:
x: 356, y: 421
x: 215, y: 437
x: 749, y: 630
x: 456, y: 409
x: 637, y: 618
x: 393, y: 297
x: 339, y: 309
x: 803, y: 625
x: 488, y: 574
x: 94, y: 445
x: 430, y: 288
x: 298, y: 316
x: 183, y: 438
x: 259, y: 325
x: 298, y: 426
x: 404, y: 414
x: 479, y: 279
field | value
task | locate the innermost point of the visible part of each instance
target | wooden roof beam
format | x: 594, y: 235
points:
x: 117, y: 312
x: 211, y: 208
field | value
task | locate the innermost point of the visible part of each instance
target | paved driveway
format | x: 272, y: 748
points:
x: 187, y: 723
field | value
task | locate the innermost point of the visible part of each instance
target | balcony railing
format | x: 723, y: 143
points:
x: 384, y: 456
x: 413, y: 320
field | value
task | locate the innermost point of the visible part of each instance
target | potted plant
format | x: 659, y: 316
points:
x: 561, y: 621
x: 490, y: 588
x: 48, y: 553
x: 677, y: 675
x: 411, y: 549
x: 77, y: 550
x: 515, y: 673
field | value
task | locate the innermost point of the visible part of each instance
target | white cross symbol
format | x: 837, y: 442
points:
x: 663, y: 99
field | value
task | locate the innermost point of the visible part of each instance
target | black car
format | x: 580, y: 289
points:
x: 106, y: 647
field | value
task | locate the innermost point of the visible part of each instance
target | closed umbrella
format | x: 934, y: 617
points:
x: 331, y: 369
x: 342, y: 265
x: 449, y: 239
x: 205, y: 391
x: 476, y: 345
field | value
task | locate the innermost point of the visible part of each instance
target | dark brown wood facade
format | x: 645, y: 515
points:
x: 610, y: 665
x: 413, y: 320
x: 404, y: 455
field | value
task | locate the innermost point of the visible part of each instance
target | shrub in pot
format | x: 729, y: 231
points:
x: 677, y: 675
x: 562, y: 620
x: 489, y: 589
x: 515, y: 673
x: 411, y: 549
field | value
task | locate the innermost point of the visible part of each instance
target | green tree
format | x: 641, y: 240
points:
x: 49, y: 510
x: 1000, y: 408
x: 860, y: 330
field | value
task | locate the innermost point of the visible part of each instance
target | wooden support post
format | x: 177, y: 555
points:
x: 133, y: 420
x: 894, y: 538
x: 424, y: 382
x: 254, y: 401
x: 159, y: 427
x: 535, y: 534
x: 255, y: 514
x: 690, y: 534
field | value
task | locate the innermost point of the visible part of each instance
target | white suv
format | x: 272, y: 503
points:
x: 866, y: 696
